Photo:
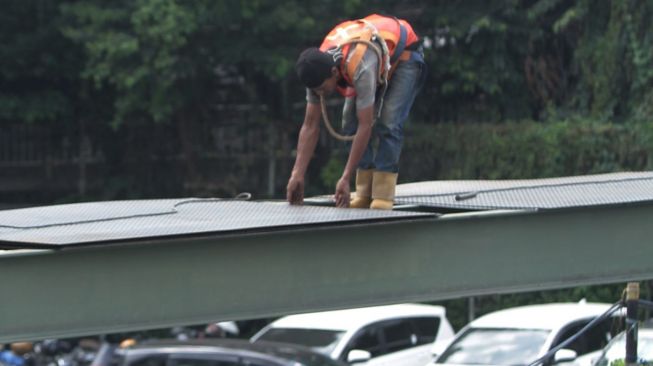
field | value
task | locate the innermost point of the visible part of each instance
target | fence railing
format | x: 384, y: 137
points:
x: 230, y: 156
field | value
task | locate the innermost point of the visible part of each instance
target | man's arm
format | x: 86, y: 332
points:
x: 308, y: 136
x: 358, y: 146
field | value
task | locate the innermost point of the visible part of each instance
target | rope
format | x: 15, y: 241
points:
x: 328, y: 125
x: 383, y: 80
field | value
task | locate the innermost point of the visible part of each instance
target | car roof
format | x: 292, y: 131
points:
x: 282, y: 352
x: 349, y: 319
x: 543, y: 316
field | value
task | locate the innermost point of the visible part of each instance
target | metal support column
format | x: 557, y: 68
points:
x: 632, y: 297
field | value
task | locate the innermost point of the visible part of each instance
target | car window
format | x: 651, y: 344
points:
x: 616, y: 350
x: 253, y: 362
x: 205, y: 360
x: 319, y: 340
x: 367, y: 339
x: 495, y: 346
x: 398, y: 335
x: 149, y: 360
x: 426, y: 328
x: 594, y: 339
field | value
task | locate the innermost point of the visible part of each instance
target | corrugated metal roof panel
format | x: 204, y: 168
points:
x: 549, y: 193
x: 84, y: 223
x: 97, y: 222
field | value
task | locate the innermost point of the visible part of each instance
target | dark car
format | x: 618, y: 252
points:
x: 218, y: 352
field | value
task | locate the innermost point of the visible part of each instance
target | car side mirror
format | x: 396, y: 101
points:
x: 358, y: 355
x: 564, y: 355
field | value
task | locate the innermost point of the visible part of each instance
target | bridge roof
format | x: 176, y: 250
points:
x: 196, y: 261
x: 120, y: 221
x: 530, y: 194
x: 96, y: 223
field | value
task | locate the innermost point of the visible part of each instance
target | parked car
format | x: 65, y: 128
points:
x: 520, y: 335
x: 381, y: 335
x: 217, y: 352
x: 616, y: 349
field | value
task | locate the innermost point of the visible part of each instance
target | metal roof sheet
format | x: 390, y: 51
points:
x: 534, y: 194
x: 115, y: 221
x: 97, y: 222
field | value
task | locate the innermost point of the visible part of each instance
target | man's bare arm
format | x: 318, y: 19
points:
x: 308, y: 136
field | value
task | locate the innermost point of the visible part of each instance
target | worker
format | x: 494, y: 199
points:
x: 377, y: 64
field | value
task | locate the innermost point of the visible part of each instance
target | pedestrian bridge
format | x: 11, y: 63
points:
x: 102, y: 267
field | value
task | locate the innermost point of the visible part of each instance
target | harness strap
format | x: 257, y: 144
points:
x: 405, y: 56
x: 401, y: 45
x: 358, y: 52
x: 352, y: 64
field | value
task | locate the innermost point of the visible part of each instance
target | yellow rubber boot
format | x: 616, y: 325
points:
x: 363, y: 189
x: 383, y: 190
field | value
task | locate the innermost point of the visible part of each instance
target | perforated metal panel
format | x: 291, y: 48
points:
x: 551, y: 193
x: 96, y: 222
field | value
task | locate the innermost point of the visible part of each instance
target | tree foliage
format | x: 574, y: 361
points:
x: 159, y: 59
x: 134, y: 48
x: 38, y: 66
x: 122, y: 71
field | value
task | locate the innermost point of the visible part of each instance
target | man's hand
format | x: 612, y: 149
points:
x: 295, y: 191
x: 342, y: 193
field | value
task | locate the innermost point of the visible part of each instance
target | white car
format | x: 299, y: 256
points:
x: 519, y: 336
x: 397, y: 335
x: 616, y: 350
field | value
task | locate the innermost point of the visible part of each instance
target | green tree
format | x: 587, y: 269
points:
x: 134, y: 49
x: 171, y: 61
x: 38, y: 66
x: 614, y: 57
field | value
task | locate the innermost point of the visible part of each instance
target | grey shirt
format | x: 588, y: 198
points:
x: 365, y: 81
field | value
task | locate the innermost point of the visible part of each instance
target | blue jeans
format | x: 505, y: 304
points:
x: 388, y: 131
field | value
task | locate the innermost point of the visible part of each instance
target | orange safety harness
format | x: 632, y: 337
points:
x: 388, y: 37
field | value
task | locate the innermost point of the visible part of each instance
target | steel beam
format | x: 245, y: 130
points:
x: 170, y: 282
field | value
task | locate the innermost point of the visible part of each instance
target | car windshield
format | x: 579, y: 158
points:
x: 495, y: 347
x: 617, y: 349
x: 319, y: 340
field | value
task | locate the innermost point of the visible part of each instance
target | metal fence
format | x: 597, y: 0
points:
x: 39, y: 164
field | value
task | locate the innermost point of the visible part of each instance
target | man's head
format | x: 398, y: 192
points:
x: 317, y: 70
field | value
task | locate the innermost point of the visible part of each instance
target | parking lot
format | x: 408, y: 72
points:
x: 403, y: 334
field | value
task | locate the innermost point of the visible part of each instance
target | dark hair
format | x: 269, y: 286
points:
x: 313, y: 67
